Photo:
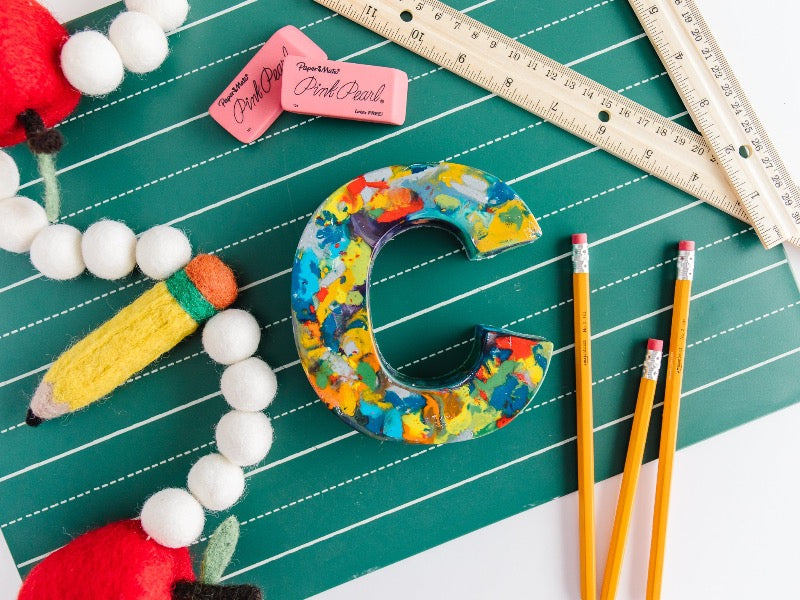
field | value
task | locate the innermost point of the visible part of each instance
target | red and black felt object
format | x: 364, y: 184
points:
x: 30, y: 69
x: 115, y: 561
x: 120, y: 562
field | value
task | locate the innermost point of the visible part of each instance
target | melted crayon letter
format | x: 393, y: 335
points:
x: 330, y: 306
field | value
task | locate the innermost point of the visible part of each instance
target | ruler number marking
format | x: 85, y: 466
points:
x: 681, y: 36
x: 550, y: 90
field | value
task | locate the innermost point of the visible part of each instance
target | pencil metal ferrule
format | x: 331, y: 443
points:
x: 686, y: 264
x: 652, y: 364
x: 580, y: 258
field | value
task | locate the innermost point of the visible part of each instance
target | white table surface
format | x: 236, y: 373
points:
x: 734, y: 518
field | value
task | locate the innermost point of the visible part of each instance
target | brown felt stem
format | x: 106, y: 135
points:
x: 196, y: 590
x: 41, y: 139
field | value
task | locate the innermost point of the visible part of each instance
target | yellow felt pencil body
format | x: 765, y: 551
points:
x: 630, y: 474
x: 585, y: 426
x: 132, y: 339
x: 137, y: 335
x: 669, y: 420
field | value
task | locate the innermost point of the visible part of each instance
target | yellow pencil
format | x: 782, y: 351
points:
x: 583, y: 395
x: 633, y: 464
x: 132, y: 339
x: 669, y: 421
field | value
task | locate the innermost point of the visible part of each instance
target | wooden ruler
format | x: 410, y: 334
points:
x: 549, y: 90
x: 723, y: 114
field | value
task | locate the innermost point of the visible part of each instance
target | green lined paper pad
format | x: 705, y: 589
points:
x: 328, y: 504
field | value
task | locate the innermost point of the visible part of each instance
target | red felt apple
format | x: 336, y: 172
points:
x: 120, y: 562
x: 30, y: 68
x: 116, y: 561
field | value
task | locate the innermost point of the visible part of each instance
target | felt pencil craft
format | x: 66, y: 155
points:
x: 132, y: 339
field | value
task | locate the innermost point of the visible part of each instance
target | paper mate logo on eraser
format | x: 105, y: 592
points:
x: 344, y: 90
x: 252, y: 101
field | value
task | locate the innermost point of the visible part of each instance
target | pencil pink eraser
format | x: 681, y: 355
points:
x: 344, y: 90
x: 686, y: 245
x: 579, y: 238
x: 657, y: 345
x: 252, y: 101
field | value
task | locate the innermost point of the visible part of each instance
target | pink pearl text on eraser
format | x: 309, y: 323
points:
x: 344, y: 90
x: 252, y: 101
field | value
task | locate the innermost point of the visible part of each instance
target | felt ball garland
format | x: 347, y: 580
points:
x: 249, y: 384
x: 231, y: 336
x: 91, y: 63
x: 108, y: 249
x: 56, y: 252
x: 216, y: 482
x: 140, y: 41
x: 94, y: 64
x: 169, y: 14
x: 174, y: 517
x: 20, y: 220
x: 44, y: 70
x: 161, y: 251
x: 9, y: 176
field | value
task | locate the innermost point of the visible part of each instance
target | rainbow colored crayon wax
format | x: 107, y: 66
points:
x: 330, y: 312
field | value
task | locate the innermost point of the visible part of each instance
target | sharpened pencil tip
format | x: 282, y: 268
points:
x: 32, y: 420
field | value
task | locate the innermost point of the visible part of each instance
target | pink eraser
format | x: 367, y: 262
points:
x: 344, y: 90
x: 579, y: 238
x: 252, y: 101
x: 653, y: 344
x: 686, y: 245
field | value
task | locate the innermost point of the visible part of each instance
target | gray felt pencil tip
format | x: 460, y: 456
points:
x: 44, y: 406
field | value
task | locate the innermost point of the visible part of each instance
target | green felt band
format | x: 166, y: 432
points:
x: 52, y: 195
x: 189, y: 297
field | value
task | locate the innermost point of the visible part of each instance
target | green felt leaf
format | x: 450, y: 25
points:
x: 219, y: 551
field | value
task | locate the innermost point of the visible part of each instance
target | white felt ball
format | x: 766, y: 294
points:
x: 216, y: 482
x: 56, y: 252
x: 173, y: 518
x: 20, y: 220
x: 91, y: 63
x: 162, y: 250
x: 169, y: 14
x: 231, y: 335
x: 109, y: 249
x: 9, y: 176
x: 249, y: 385
x: 139, y: 40
x: 244, y: 438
